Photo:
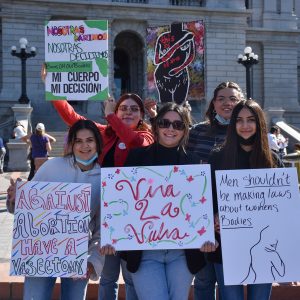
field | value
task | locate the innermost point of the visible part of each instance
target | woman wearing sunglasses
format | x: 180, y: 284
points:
x: 125, y: 130
x: 164, y: 274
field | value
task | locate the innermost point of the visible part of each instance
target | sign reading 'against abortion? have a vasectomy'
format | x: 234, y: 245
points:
x: 50, y: 231
x: 156, y: 207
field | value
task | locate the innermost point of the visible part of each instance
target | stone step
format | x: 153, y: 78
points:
x: 58, y: 146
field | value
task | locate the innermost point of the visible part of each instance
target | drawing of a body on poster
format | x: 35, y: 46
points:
x: 51, y: 229
x: 76, y: 55
x: 259, y: 221
x: 165, y: 207
x: 176, y: 62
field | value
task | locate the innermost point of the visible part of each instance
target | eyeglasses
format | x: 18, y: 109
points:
x: 165, y: 123
x: 133, y: 108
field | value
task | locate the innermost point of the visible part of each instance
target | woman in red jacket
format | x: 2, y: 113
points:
x: 126, y: 130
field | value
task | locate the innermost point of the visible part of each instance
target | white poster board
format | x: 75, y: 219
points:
x: 76, y: 55
x: 157, y: 207
x: 259, y: 213
x: 51, y: 229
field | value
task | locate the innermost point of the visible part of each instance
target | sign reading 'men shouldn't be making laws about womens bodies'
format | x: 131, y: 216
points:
x: 259, y: 213
x: 156, y: 207
x: 76, y: 55
x: 51, y: 228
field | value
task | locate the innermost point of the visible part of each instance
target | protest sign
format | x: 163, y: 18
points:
x: 51, y: 229
x: 175, y: 62
x: 157, y: 207
x: 259, y: 219
x: 76, y: 55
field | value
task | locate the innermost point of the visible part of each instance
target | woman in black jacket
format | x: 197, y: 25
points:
x: 165, y: 274
x: 246, y: 147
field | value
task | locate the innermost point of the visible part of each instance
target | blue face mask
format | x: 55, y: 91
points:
x: 221, y: 120
x: 86, y: 162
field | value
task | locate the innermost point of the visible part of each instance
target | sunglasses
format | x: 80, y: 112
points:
x: 165, y: 123
x: 133, y: 108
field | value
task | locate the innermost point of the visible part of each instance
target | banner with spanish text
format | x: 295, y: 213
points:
x: 76, y: 56
x: 157, y: 207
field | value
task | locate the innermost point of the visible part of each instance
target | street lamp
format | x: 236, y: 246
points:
x: 248, y: 59
x: 23, y: 55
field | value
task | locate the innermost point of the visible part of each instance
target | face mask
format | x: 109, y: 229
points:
x: 86, y: 162
x: 221, y: 120
x: 247, y: 142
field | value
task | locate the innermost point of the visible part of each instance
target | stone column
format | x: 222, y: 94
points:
x: 18, y: 150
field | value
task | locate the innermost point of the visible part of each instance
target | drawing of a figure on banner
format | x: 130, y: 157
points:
x: 175, y: 62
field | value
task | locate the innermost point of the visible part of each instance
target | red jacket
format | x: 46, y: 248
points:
x: 126, y: 138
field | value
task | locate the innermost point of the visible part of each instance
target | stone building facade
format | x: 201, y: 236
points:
x: 270, y: 27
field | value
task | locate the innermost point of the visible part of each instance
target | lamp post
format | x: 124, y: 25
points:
x: 248, y: 59
x: 23, y: 55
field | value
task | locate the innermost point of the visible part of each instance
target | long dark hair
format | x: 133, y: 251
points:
x: 261, y: 156
x: 184, y: 114
x: 210, y: 112
x: 142, y: 126
x: 72, y: 134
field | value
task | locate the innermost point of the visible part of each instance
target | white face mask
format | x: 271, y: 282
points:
x: 86, y: 162
x: 221, y: 120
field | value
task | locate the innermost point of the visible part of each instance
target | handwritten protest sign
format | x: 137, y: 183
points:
x: 51, y: 227
x: 259, y: 219
x: 76, y: 55
x: 161, y: 207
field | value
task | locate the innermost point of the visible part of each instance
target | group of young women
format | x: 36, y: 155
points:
x: 128, y: 140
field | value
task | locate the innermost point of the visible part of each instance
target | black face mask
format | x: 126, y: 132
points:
x: 247, y: 142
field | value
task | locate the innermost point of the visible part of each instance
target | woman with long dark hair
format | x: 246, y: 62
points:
x: 203, y: 137
x: 245, y: 147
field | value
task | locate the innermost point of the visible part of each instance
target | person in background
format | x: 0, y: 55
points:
x: 40, y: 142
x: 272, y: 139
x: 202, y: 138
x: 164, y: 274
x: 282, y: 143
x: 79, y: 165
x: 2, y: 155
x: 126, y: 130
x: 246, y: 147
x: 19, y: 131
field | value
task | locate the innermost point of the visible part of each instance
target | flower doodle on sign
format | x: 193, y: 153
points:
x: 153, y: 208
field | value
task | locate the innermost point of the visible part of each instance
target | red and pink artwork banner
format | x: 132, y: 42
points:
x: 175, y: 62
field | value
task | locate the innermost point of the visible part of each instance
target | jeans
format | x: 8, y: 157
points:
x: 162, y: 275
x: 37, y: 288
x: 236, y: 292
x: 205, y: 283
x: 108, y: 289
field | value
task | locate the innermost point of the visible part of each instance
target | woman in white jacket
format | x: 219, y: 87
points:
x: 78, y: 165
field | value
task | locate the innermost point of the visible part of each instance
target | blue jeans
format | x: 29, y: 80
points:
x: 162, y: 275
x: 205, y: 283
x: 108, y: 289
x: 36, y: 288
x: 236, y: 292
